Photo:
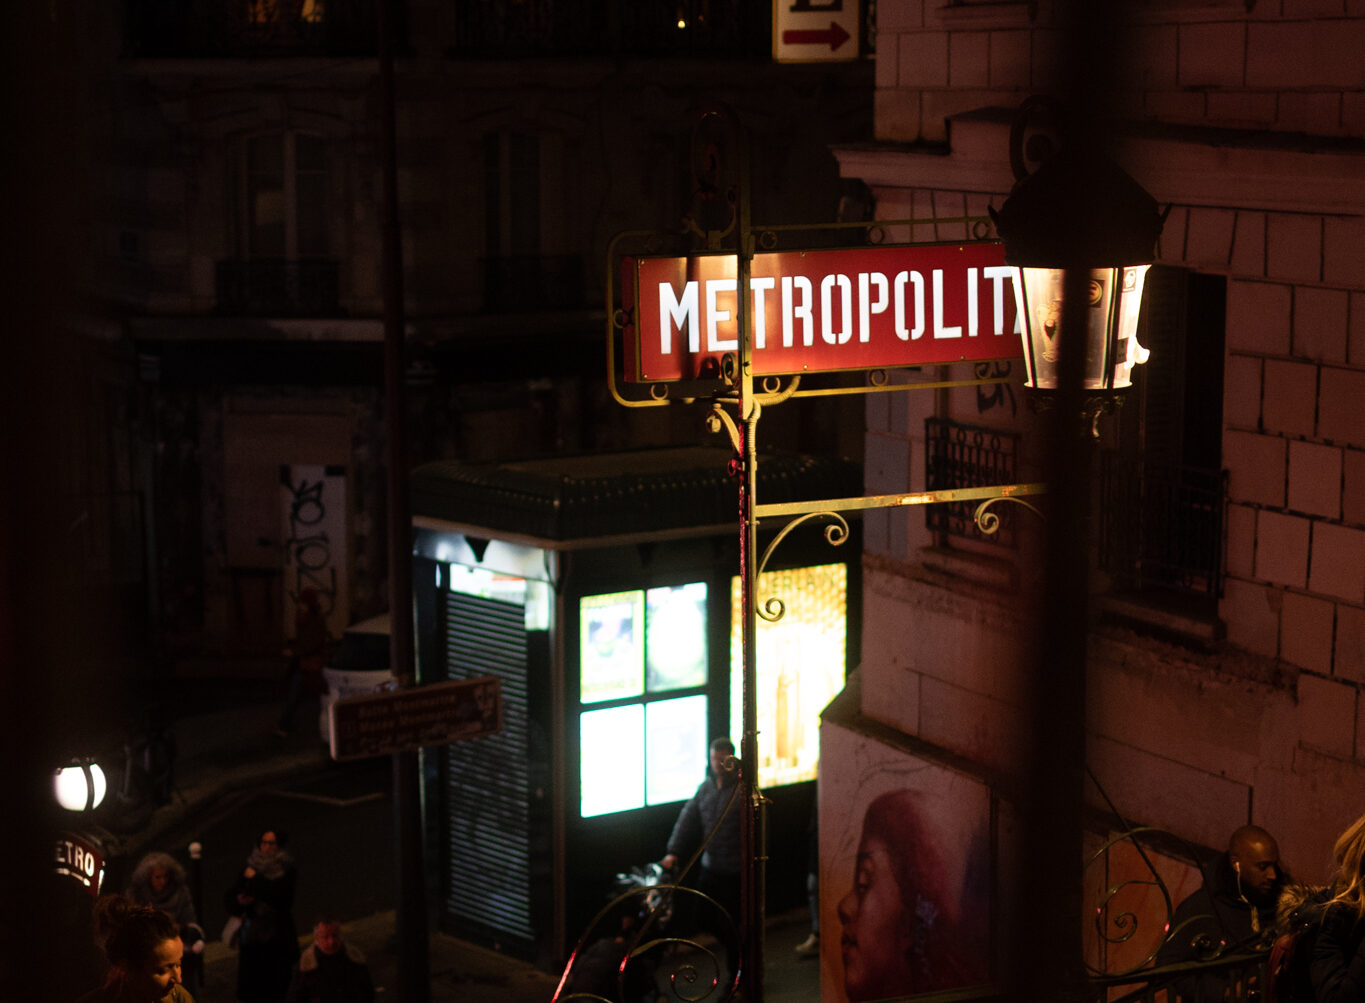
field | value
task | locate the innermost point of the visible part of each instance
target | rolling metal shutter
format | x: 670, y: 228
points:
x: 488, y: 877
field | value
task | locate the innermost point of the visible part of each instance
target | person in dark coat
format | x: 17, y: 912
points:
x: 1234, y: 909
x: 1337, y: 961
x: 717, y: 805
x: 263, y: 898
x: 330, y: 970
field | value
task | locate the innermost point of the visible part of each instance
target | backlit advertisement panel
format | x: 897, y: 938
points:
x: 612, y: 652
x: 799, y: 667
x: 633, y: 646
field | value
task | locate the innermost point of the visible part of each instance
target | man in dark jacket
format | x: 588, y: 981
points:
x: 330, y: 971
x: 1234, y: 910
x: 721, y: 860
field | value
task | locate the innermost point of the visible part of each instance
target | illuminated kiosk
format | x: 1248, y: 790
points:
x: 602, y: 590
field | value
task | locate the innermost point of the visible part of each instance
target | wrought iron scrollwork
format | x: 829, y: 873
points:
x: 1116, y: 925
x: 631, y: 964
x: 989, y: 522
x: 836, y: 535
x: 628, y: 948
x: 1201, y: 956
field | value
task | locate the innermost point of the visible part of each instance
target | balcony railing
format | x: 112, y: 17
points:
x: 528, y: 282
x: 958, y: 455
x: 1161, y: 526
x: 274, y: 287
x: 250, y: 28
x: 495, y: 29
x: 1131, y: 924
x: 1232, y: 977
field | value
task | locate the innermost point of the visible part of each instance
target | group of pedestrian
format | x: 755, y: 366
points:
x: 148, y: 932
x: 1249, y: 902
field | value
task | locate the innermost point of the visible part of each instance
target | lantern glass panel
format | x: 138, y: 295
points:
x: 1111, y: 348
x: 1130, y: 353
x: 72, y: 793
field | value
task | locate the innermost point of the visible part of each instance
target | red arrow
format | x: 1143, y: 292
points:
x: 834, y: 35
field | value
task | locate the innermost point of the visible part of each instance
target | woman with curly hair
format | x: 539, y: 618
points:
x: 1337, y: 967
x: 159, y: 881
x: 144, y: 950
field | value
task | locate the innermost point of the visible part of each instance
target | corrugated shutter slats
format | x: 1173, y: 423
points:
x: 488, y: 854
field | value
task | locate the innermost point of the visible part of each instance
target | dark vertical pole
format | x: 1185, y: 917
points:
x: 411, y: 912
x: 753, y: 835
x: 1048, y: 930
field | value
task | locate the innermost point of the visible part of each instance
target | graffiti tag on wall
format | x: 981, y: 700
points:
x: 314, y: 508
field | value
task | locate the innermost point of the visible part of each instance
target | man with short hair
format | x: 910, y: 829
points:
x: 330, y: 971
x: 716, y: 806
x: 1234, y: 909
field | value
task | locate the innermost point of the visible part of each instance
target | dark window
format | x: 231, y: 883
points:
x: 523, y: 223
x: 1163, y: 487
x: 958, y: 455
x: 247, y: 28
x: 281, y: 266
x: 715, y: 29
x: 284, y: 196
x: 511, y: 163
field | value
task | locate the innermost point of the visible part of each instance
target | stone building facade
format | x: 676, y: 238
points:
x: 247, y: 178
x: 1225, y: 681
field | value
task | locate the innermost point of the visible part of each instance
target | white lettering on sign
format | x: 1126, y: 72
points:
x: 837, y: 306
x: 679, y: 312
x: 823, y: 310
x: 77, y: 859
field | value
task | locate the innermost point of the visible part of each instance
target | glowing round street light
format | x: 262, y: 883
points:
x: 1080, y: 211
x: 80, y: 786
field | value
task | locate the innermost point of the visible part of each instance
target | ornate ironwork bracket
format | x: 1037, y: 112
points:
x: 772, y: 608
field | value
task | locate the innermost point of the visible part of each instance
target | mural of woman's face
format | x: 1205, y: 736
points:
x: 876, y: 939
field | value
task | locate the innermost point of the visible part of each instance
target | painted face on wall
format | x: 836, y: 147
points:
x: 877, y: 938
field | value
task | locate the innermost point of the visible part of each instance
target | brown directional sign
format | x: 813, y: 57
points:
x: 402, y: 720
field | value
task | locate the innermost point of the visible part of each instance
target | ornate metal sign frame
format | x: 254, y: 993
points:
x: 719, y: 221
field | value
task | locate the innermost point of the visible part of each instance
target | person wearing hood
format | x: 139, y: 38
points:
x: 1233, y: 910
x: 159, y: 881
x: 262, y: 896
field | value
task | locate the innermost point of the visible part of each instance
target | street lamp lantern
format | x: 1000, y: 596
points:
x: 79, y: 786
x: 1081, y: 211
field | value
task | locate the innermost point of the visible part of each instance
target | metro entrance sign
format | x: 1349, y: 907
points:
x: 863, y: 308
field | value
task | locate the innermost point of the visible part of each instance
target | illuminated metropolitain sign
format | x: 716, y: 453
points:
x: 822, y: 311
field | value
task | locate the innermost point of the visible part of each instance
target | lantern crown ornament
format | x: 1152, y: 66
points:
x: 1077, y: 210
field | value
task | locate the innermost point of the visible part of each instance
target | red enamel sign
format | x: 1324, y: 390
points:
x: 821, y: 311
